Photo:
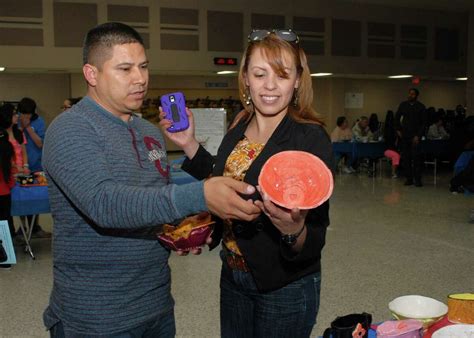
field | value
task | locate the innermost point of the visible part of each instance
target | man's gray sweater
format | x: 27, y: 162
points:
x: 108, y: 181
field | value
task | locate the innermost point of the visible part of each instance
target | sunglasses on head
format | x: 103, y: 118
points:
x: 285, y: 34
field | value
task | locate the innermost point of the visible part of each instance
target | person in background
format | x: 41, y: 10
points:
x: 362, y: 133
x: 109, y: 190
x: 410, y: 124
x: 437, y: 131
x: 68, y: 103
x: 342, y: 133
x: 271, y: 268
x: 33, y: 127
x: 376, y: 127
x: 9, y: 122
x: 392, y: 142
x: 361, y: 130
x: 7, y: 182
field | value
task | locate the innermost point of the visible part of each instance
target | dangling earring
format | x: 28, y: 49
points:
x: 247, y: 97
x: 295, y: 97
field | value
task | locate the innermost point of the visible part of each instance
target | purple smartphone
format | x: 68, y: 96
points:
x: 174, y: 106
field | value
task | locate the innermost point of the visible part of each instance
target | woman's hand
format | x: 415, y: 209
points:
x: 285, y: 220
x: 184, y: 139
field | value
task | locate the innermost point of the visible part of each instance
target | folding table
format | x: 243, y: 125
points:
x: 29, y: 200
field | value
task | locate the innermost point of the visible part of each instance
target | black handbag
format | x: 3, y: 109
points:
x: 3, y: 253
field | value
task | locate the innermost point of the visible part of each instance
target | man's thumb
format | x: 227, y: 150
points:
x: 243, y: 188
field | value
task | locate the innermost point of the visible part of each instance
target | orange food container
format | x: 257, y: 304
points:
x: 461, y: 308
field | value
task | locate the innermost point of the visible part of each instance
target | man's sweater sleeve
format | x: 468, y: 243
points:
x: 75, y: 163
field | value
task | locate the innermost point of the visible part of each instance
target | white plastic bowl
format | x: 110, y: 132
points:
x: 425, y: 309
x: 455, y: 331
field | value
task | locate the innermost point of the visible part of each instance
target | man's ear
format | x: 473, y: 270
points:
x: 90, y: 74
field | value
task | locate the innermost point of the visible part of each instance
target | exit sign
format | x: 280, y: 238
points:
x: 223, y: 61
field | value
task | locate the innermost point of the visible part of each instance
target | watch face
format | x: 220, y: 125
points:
x: 289, y: 239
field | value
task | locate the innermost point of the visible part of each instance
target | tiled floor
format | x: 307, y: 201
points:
x: 385, y: 240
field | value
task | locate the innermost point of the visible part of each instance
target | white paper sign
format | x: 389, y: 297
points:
x: 7, y: 243
x: 354, y: 100
x: 211, y: 126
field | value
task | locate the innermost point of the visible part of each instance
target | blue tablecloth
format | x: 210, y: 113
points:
x: 435, y: 148
x: 29, y: 200
x: 371, y: 150
x: 343, y: 147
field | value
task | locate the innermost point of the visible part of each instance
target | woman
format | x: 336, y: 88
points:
x: 342, y: 133
x: 375, y: 127
x: 392, y: 143
x: 7, y: 182
x: 9, y: 122
x: 270, y: 279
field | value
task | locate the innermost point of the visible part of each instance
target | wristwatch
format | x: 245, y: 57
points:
x: 290, y: 239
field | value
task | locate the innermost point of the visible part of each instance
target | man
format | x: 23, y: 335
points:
x: 362, y: 133
x: 108, y: 183
x: 342, y: 133
x: 361, y: 130
x: 436, y: 131
x: 34, y: 129
x: 410, y: 123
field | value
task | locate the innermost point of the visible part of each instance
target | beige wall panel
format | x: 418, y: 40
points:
x: 71, y: 23
x: 21, y: 37
x: 267, y: 21
x: 346, y: 37
x: 127, y: 13
x: 21, y: 8
x: 224, y: 31
x: 179, y: 42
x: 179, y: 16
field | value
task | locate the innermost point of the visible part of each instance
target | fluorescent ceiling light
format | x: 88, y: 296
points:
x: 403, y: 76
x: 461, y: 78
x: 321, y: 74
x: 227, y: 72
x: 2, y: 69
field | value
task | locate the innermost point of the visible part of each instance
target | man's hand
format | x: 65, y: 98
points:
x: 223, y: 200
x: 25, y: 121
x: 184, y: 139
x: 194, y: 251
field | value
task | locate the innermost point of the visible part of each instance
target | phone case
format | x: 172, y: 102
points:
x: 174, y: 106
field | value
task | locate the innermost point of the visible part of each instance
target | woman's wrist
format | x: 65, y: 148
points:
x: 191, y: 148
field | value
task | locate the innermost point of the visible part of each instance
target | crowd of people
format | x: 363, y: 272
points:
x: 402, y: 133
x: 23, y: 132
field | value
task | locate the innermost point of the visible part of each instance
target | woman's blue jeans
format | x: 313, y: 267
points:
x: 287, y: 312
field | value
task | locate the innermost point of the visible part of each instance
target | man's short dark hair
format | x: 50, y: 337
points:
x: 417, y: 92
x: 100, y: 40
x: 27, y: 106
x: 340, y: 120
